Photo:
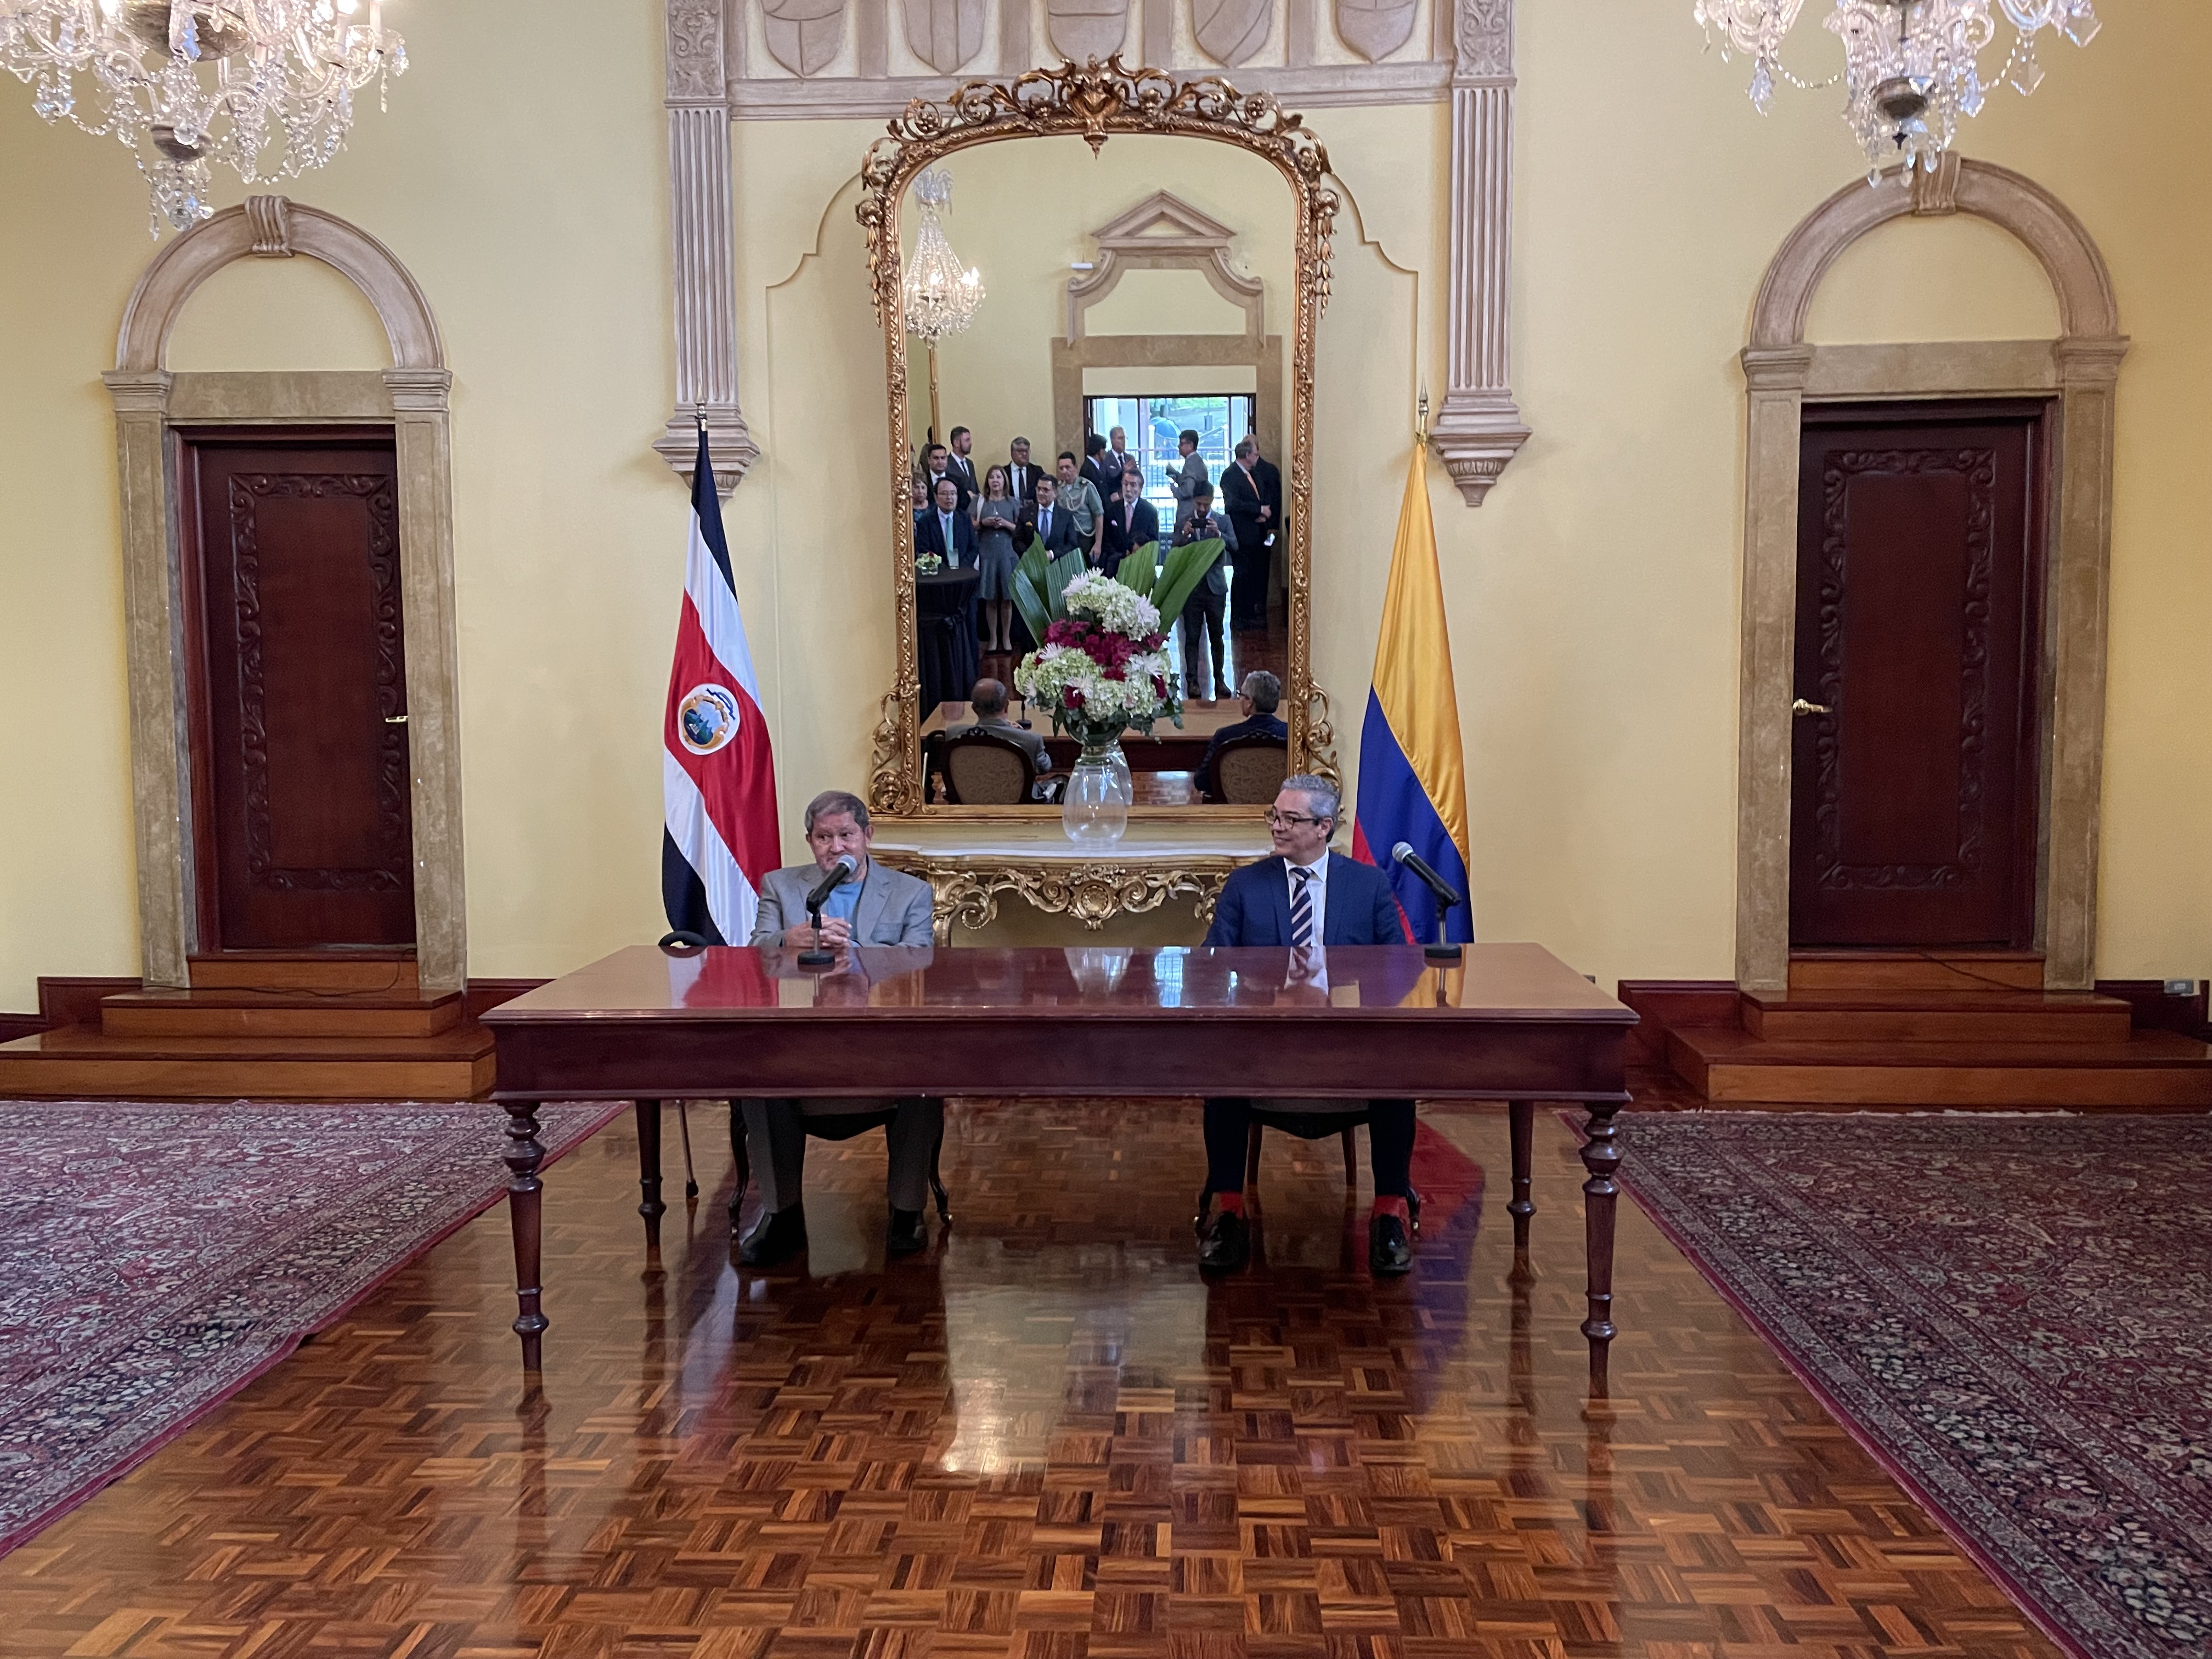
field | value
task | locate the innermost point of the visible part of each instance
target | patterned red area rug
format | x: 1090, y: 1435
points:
x: 2012, y: 1313
x: 154, y: 1259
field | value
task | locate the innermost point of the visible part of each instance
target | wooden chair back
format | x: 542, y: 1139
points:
x: 1248, y: 771
x: 982, y: 768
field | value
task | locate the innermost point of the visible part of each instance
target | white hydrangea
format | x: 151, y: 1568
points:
x: 1099, y: 596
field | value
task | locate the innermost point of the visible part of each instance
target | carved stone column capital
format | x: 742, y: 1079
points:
x: 1479, y: 430
x: 1777, y: 369
x: 702, y: 226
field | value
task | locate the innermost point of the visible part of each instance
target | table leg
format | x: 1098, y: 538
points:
x: 1601, y: 1156
x: 524, y: 1154
x: 649, y: 1168
x: 1521, y: 1206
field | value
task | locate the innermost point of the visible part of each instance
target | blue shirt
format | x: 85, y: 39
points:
x: 846, y: 900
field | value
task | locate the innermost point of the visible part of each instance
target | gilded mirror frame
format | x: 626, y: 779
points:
x: 1096, y: 101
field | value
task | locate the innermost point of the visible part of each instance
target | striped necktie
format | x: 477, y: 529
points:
x: 1301, y: 907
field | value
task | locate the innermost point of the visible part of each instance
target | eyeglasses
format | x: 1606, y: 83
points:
x: 1285, y: 820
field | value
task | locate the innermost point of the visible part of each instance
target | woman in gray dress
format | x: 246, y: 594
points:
x: 997, y: 512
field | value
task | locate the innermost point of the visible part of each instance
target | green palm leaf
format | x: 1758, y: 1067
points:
x: 1040, y: 584
x: 1182, y: 569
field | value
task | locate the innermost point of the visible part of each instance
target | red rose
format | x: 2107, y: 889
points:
x: 1070, y: 698
x: 1160, y: 687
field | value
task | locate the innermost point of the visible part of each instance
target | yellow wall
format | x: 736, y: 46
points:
x: 1593, y: 598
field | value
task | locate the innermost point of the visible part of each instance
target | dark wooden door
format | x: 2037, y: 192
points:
x: 299, y: 761
x: 1915, y: 798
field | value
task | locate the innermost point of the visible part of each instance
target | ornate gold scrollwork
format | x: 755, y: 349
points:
x: 967, y: 891
x: 1095, y: 101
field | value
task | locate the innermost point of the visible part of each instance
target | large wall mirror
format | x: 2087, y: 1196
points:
x: 1153, y: 256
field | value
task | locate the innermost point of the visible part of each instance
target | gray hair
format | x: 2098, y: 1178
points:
x: 836, y: 803
x: 1264, y: 689
x: 1321, y: 794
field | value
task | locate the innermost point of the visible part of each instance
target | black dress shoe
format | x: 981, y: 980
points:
x: 1389, y: 1252
x: 1224, y: 1244
x: 774, y: 1237
x: 906, y: 1234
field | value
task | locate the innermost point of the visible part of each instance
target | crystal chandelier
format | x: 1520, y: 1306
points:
x: 184, y: 84
x: 1911, y: 68
x: 940, y: 297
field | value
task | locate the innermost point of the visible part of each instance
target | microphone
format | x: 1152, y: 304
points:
x: 842, y: 872
x: 839, y: 873
x: 1446, y: 897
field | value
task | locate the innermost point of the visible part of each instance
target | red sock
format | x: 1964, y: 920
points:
x: 1230, y: 1203
x: 1396, y: 1206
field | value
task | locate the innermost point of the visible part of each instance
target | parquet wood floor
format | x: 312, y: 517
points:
x: 1044, y: 1439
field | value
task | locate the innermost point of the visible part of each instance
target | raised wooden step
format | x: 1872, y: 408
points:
x: 1886, y: 1017
x: 1933, y: 970
x: 83, y: 1062
x: 260, y: 1013
x: 1730, y: 1067
x: 306, y: 970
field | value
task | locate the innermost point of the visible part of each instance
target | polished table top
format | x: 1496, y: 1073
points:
x: 1172, y: 1020
x: 1491, y: 982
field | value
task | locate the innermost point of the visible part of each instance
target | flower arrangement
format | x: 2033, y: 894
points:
x: 1104, y: 665
x: 1101, y: 665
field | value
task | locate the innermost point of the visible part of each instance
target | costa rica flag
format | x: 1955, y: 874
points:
x: 1412, y: 773
x: 718, y: 772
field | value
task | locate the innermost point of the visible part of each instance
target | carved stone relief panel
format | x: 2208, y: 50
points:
x: 804, y: 35
x: 1483, y: 37
x: 1230, y: 31
x: 944, y: 34
x: 1083, y: 29
x: 1375, y: 29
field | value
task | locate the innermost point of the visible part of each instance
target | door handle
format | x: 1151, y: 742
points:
x: 1800, y: 709
x: 395, y: 720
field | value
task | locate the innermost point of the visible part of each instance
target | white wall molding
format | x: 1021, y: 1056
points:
x: 1479, y: 430
x: 703, y: 230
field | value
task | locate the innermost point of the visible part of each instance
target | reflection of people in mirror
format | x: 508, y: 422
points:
x: 1132, y: 523
x: 961, y: 469
x: 1253, y: 518
x: 988, y: 703
x: 1202, y: 612
x: 946, y: 531
x: 1187, y: 479
x: 1022, y: 476
x: 998, y: 516
x: 1102, y: 471
x: 1045, y: 520
x: 1078, y: 498
x: 1260, y: 696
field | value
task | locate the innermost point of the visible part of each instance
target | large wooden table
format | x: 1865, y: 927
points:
x: 1509, y: 1022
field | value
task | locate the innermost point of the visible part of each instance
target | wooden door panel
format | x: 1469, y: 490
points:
x: 304, y: 773
x: 1914, y: 800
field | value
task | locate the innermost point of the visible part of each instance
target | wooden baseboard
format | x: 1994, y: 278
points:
x: 74, y: 999
x: 2153, y: 1009
x: 1665, y: 1004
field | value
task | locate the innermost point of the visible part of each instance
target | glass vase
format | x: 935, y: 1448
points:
x: 1094, y: 810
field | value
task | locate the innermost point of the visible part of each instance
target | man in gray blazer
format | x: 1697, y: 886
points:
x: 1187, y: 479
x: 876, y: 906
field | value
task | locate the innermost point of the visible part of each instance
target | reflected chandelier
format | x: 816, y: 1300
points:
x: 939, y: 298
x: 1911, y: 68
x: 184, y: 84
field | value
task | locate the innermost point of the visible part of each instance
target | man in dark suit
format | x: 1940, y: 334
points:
x: 1021, y: 473
x: 1100, y: 467
x: 946, y: 531
x: 960, y: 465
x: 1255, y: 523
x: 1308, y: 898
x: 1044, y: 519
x: 1261, y: 695
x: 1131, y: 522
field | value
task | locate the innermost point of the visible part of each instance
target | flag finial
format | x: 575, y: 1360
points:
x: 1421, y: 416
x: 699, y: 413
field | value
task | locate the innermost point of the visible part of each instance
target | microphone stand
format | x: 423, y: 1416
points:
x: 815, y: 956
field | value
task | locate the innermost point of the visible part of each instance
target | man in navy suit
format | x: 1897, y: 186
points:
x: 1307, y: 898
x: 946, y: 531
x: 1046, y: 521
